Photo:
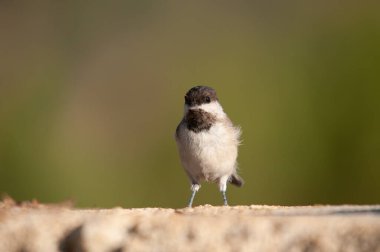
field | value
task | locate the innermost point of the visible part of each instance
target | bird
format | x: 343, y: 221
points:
x: 207, y: 142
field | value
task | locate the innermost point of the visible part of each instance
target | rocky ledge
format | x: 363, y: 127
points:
x: 32, y: 227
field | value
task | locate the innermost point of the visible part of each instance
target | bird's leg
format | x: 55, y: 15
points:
x: 224, y: 198
x: 223, y: 188
x: 194, y: 190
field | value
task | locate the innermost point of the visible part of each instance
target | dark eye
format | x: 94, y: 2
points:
x: 208, y: 99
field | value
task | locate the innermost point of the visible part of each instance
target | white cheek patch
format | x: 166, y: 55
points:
x: 213, y: 108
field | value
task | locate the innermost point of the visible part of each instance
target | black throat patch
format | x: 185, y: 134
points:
x: 198, y: 120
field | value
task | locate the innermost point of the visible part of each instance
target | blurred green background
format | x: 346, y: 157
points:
x: 91, y: 93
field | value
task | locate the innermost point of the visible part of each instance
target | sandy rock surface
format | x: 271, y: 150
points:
x: 35, y: 227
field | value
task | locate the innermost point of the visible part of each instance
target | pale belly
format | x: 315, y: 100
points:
x: 208, y: 155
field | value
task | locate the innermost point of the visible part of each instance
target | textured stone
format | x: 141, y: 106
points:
x: 34, y: 227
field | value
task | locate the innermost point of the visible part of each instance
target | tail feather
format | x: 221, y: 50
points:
x: 236, y: 180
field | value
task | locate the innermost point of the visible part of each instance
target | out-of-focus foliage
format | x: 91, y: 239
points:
x: 91, y: 93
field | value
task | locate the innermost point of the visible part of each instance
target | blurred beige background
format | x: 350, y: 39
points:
x: 91, y: 93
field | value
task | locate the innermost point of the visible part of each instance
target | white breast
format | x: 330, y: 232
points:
x: 209, y: 154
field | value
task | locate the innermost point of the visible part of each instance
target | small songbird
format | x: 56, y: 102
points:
x: 207, y: 142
